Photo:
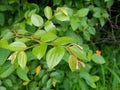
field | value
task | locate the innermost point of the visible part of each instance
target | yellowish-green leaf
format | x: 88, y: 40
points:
x: 47, y: 37
x: 39, y: 51
x: 22, y: 59
x: 17, y: 46
x: 54, y: 56
x: 82, y: 12
x: 38, y: 34
x: 50, y: 27
x: 78, y: 52
x: 48, y: 12
x: 64, y: 40
x: 72, y: 62
x: 37, y: 20
x: 38, y: 69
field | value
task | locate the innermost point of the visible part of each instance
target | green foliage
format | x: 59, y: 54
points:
x: 48, y: 47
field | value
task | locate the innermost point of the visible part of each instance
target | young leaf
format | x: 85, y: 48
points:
x: 48, y: 37
x: 17, y: 46
x: 64, y: 40
x: 50, y: 27
x: 6, y: 70
x: 78, y: 52
x: 22, y: 59
x: 82, y: 12
x: 98, y: 59
x: 54, y: 56
x: 48, y: 12
x: 22, y: 73
x: 4, y: 53
x: 72, y: 62
x: 37, y: 20
x: 39, y: 51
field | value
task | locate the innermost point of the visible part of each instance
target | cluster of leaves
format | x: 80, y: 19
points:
x: 46, y: 48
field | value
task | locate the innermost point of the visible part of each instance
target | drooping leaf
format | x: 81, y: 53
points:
x: 37, y: 20
x: 78, y: 52
x: 39, y: 51
x: 6, y: 70
x: 22, y: 59
x: 98, y: 59
x: 22, y: 73
x: 47, y: 37
x: 64, y: 40
x: 54, y: 56
x: 82, y: 12
x: 17, y: 46
x: 72, y: 62
x: 4, y: 53
x: 48, y: 12
x: 50, y: 27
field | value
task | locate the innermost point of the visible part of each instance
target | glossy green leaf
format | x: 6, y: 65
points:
x: 72, y: 62
x: 64, y: 40
x: 17, y: 46
x: 37, y: 20
x: 47, y: 37
x: 22, y: 59
x: 6, y: 70
x: 4, y: 53
x: 39, y: 51
x: 38, y: 34
x: 78, y: 52
x: 54, y: 56
x: 22, y: 73
x: 98, y: 59
x: 50, y: 27
x: 83, y: 12
x: 48, y: 12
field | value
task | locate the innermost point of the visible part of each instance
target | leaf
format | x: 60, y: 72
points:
x: 37, y: 20
x: 54, y: 56
x: 2, y: 88
x: 6, y: 70
x: 61, y: 14
x: 39, y: 51
x: 3, y: 43
x: 95, y: 78
x: 38, y: 69
x: 83, y: 12
x: 4, y: 53
x: 72, y: 62
x: 92, y: 30
x: 50, y: 27
x: 86, y: 35
x: 48, y: 37
x: 64, y: 40
x: 98, y: 59
x: 78, y: 52
x: 48, y: 12
x: 85, y: 75
x: 38, y: 34
x: 22, y: 73
x: 22, y: 59
x: 17, y: 46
